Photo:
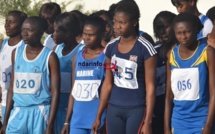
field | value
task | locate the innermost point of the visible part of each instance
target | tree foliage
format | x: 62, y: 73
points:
x: 30, y: 7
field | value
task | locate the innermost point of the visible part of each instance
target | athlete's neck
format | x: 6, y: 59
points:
x: 14, y: 40
x: 129, y: 39
x: 70, y: 44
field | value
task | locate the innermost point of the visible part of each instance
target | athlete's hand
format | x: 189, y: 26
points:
x: 167, y: 132
x: 65, y: 129
x: 95, y: 126
x: 206, y: 130
x: 146, y: 129
x: 3, y: 129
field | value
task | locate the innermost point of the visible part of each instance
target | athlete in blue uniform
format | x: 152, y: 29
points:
x: 190, y: 80
x: 191, y: 7
x: 13, y: 26
x: 87, y: 78
x: 130, y: 63
x: 66, y: 29
x: 34, y: 90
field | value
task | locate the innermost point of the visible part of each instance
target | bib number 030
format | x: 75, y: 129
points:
x: 85, y: 90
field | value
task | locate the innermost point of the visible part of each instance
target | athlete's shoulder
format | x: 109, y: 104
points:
x: 144, y: 43
x: 114, y: 41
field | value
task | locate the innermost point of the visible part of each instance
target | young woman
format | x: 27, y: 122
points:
x: 33, y: 95
x: 82, y: 18
x: 190, y: 80
x: 191, y: 7
x: 163, y: 31
x: 13, y: 26
x: 211, y: 37
x: 87, y: 78
x: 49, y: 11
x: 130, y: 63
x: 109, y: 28
x: 66, y: 28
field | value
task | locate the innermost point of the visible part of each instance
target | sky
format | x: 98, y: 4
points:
x: 148, y: 9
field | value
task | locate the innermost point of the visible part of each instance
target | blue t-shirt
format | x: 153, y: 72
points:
x: 129, y: 79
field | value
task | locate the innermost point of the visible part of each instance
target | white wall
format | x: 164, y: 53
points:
x: 148, y: 9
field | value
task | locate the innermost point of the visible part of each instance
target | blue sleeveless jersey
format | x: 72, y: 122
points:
x: 190, y: 87
x: 129, y: 77
x: 31, y: 78
x: 66, y: 70
x: 88, y: 71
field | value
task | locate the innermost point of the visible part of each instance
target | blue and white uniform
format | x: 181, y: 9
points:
x: 86, y: 91
x: 208, y: 26
x: 32, y: 95
x: 65, y: 71
x: 190, y: 86
x: 49, y: 42
x: 6, y: 70
x: 127, y: 100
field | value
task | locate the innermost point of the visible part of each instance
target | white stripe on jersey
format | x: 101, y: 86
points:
x: 112, y: 41
x: 158, y: 45
x: 148, y: 45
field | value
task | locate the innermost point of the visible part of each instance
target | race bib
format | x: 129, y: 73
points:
x: 27, y: 83
x: 185, y: 83
x: 86, y: 90
x: 125, y: 73
x: 65, y: 82
x: 5, y: 77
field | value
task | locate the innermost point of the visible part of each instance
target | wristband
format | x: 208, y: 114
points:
x: 66, y: 124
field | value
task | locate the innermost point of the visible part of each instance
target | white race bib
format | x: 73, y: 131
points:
x: 125, y: 73
x: 185, y: 83
x: 86, y: 90
x: 5, y: 76
x: 65, y: 82
x: 27, y: 83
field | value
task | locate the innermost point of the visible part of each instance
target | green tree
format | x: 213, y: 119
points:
x: 30, y: 7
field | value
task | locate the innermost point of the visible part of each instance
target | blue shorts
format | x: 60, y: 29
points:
x: 80, y: 131
x: 59, y: 120
x: 187, y: 130
x: 28, y: 120
x: 3, y: 108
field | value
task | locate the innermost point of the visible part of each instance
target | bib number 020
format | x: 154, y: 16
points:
x: 25, y: 84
